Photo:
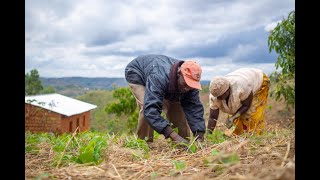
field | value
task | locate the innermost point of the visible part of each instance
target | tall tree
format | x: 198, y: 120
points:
x: 33, y: 84
x: 282, y: 41
x: 125, y: 103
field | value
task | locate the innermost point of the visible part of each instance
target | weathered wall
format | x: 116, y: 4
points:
x: 41, y: 120
x: 83, y: 119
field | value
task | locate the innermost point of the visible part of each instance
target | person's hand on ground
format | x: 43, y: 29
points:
x: 229, y: 123
x: 199, y: 136
x: 177, y: 139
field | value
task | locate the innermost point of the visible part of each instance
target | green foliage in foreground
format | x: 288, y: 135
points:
x: 218, y: 161
x: 92, y: 147
x: 216, y: 137
x: 83, y: 148
x: 139, y: 144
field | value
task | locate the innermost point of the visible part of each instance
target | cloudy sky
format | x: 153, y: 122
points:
x: 97, y: 38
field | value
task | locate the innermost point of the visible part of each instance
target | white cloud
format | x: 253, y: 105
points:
x: 269, y: 27
x: 242, y: 50
x: 97, y: 38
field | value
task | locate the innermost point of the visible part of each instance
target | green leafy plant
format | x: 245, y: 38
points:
x: 175, y: 129
x: 216, y: 137
x: 85, y: 147
x: 156, y: 135
x: 93, y: 150
x: 179, y: 166
x: 136, y: 143
x: 194, y: 145
x: 230, y: 159
x: 193, y: 148
x: 218, y: 161
x: 33, y: 140
x: 282, y: 41
x: 214, y: 152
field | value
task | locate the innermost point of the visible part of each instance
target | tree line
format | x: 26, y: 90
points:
x: 33, y: 84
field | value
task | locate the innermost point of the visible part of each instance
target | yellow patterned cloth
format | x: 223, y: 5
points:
x: 253, y: 120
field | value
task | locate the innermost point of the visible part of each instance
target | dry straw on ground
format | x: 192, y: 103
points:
x: 271, y: 158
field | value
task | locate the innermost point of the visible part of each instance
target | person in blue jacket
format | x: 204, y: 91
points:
x: 165, y: 84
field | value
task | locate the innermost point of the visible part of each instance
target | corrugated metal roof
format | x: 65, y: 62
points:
x: 59, y: 104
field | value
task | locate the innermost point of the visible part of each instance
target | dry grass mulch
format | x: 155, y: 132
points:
x: 270, y: 156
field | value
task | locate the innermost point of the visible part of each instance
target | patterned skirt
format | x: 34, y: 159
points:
x: 253, y: 121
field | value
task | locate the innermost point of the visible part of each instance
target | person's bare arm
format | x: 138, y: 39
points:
x: 245, y: 104
x: 213, y: 117
x: 244, y: 108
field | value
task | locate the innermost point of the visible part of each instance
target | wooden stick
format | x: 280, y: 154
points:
x: 286, y: 155
x: 117, y: 171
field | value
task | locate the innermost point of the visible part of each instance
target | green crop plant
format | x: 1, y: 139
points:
x: 86, y: 147
x: 216, y: 137
x: 136, y: 143
x: 179, y: 166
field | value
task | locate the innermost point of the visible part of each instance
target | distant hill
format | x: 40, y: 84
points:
x: 85, y: 82
x: 91, y: 83
x: 74, y: 86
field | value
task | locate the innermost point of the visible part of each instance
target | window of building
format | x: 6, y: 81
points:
x: 78, y: 122
x: 84, y: 120
x: 70, y: 126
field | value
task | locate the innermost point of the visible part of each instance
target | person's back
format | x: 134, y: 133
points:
x: 159, y: 83
x: 141, y: 67
x: 249, y: 79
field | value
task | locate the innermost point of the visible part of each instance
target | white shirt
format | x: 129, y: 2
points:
x: 242, y: 82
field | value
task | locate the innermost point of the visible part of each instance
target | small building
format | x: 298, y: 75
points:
x: 56, y: 113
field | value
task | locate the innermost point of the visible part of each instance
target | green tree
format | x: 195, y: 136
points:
x: 33, y: 84
x: 282, y: 41
x: 125, y: 104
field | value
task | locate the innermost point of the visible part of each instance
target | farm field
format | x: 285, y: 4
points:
x: 123, y: 156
